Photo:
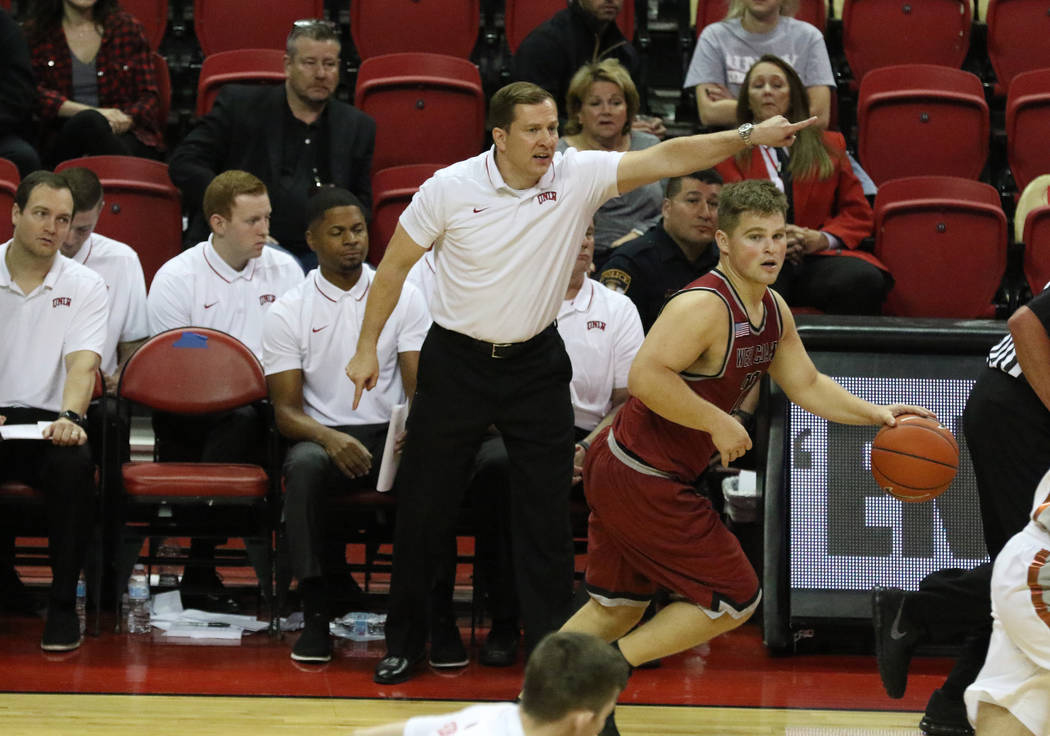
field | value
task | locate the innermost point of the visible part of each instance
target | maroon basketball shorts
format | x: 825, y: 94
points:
x: 648, y: 533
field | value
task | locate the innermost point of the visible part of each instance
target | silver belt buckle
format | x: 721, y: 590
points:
x: 497, y: 346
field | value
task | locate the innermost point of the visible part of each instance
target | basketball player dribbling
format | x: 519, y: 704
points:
x: 709, y: 347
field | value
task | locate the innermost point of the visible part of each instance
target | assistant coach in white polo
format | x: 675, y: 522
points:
x: 506, y: 225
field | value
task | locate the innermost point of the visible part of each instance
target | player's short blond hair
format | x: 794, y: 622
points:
x: 758, y: 196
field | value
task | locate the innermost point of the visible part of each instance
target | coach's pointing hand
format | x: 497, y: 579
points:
x: 363, y: 370
x: 777, y: 131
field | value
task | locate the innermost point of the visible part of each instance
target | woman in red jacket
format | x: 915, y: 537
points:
x: 97, y: 93
x: 828, y: 213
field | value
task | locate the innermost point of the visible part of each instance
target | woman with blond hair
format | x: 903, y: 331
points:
x: 601, y: 104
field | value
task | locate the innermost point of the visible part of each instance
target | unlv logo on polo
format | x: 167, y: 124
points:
x: 266, y: 299
x: 546, y: 197
x: 60, y: 301
x: 595, y: 324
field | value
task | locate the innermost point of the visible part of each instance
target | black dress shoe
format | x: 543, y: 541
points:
x: 393, y: 669
x: 500, y: 648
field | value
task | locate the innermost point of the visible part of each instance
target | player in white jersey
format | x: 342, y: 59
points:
x: 1011, y: 695
x: 571, y: 684
x: 335, y: 448
x: 52, y: 327
x: 226, y: 283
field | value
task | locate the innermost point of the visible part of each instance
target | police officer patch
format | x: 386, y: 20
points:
x: 616, y: 279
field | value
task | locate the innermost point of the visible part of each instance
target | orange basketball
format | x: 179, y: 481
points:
x: 915, y: 460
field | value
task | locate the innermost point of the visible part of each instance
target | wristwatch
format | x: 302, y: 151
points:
x: 73, y: 417
x: 745, y: 133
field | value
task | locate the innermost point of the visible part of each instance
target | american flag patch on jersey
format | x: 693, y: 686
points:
x: 741, y: 329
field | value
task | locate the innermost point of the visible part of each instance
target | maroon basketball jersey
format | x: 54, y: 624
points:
x: 684, y: 452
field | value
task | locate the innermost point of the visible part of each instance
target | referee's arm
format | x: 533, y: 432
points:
x: 1033, y: 351
x: 401, y: 254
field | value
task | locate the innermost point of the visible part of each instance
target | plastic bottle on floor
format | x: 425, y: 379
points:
x: 82, y: 603
x: 138, y: 601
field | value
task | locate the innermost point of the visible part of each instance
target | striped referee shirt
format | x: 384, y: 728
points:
x: 1003, y: 356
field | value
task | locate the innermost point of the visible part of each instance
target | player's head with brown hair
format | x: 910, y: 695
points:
x: 574, y: 677
x: 238, y: 211
x: 502, y: 106
x: 752, y: 196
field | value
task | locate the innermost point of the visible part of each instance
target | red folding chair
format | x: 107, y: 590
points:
x: 225, y: 25
x: 240, y: 66
x: 921, y: 119
x: 521, y: 16
x: 878, y: 33
x: 1017, y: 38
x: 1032, y: 227
x: 195, y: 371
x: 944, y: 240
x: 1027, y: 123
x: 9, y: 181
x: 395, y: 26
x: 392, y: 190
x: 153, y: 15
x: 143, y: 207
x: 427, y: 108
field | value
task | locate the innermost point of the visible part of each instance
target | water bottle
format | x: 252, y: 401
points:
x: 82, y: 603
x: 138, y: 601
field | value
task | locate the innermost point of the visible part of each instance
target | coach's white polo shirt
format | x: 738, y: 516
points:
x: 64, y: 314
x: 422, y: 276
x: 119, y: 267
x: 602, y: 333
x: 312, y: 327
x: 505, y: 254
x: 198, y: 288
x: 487, y: 719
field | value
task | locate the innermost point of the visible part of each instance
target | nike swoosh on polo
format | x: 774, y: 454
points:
x: 209, y: 306
x: 318, y: 329
x: 895, y: 633
x: 476, y: 210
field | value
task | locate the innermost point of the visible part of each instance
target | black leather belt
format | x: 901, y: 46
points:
x: 494, y: 349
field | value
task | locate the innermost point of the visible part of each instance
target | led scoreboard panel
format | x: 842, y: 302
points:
x: 831, y: 533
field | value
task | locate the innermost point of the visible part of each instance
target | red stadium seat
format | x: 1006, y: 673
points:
x: 1032, y: 227
x: 194, y: 371
x: 142, y: 209
x: 878, y: 33
x: 153, y: 15
x: 395, y: 26
x: 427, y: 108
x: 521, y: 16
x: 919, y: 119
x: 224, y: 25
x: 392, y: 190
x: 1017, y: 38
x: 239, y: 66
x: 9, y: 180
x: 163, y: 76
x: 1027, y: 123
x: 944, y: 240
x: 814, y: 12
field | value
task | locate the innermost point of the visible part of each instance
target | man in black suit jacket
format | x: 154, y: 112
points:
x: 295, y: 137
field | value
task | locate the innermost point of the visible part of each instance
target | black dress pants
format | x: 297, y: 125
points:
x: 310, y: 479
x: 460, y: 393
x: 65, y: 475
x: 838, y: 284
